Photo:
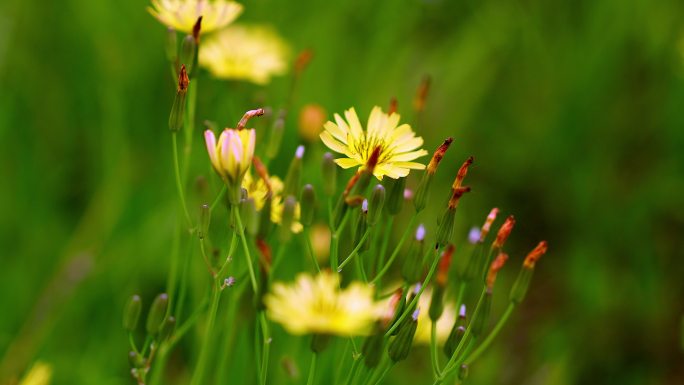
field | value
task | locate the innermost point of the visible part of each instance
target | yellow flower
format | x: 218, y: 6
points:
x: 444, y: 323
x: 40, y: 374
x: 317, y: 305
x: 252, y: 53
x: 232, y: 155
x: 182, y: 15
x: 257, y: 189
x: 398, y: 143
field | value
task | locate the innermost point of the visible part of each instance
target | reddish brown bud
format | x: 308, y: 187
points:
x: 196, y: 30
x: 534, y: 255
x: 444, y: 263
x: 488, y: 224
x: 497, y: 265
x: 262, y: 172
x: 265, y: 251
x: 393, y: 105
x: 456, y: 195
x: 247, y: 116
x: 438, y: 155
x: 183, y: 80
x: 303, y: 60
x: 504, y: 232
x: 422, y: 93
x: 462, y: 172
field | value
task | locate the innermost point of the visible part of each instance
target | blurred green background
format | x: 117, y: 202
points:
x: 574, y: 112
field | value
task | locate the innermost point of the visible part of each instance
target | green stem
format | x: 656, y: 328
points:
x: 354, y: 252
x: 220, y: 195
x: 245, y: 247
x: 198, y: 375
x: 384, y: 373
x: 385, y: 244
x: 396, y: 250
x: 266, y: 348
x: 335, y: 242
x: 309, y: 246
x: 189, y: 125
x: 312, y: 370
x: 502, y: 321
x: 132, y: 342
x: 434, y: 357
x: 179, y: 182
x: 352, y: 371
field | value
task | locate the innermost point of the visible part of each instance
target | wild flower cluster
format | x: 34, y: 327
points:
x: 347, y: 297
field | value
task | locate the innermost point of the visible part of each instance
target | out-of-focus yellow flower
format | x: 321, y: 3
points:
x: 232, y: 155
x: 320, y: 241
x: 40, y: 374
x: 398, y: 143
x: 182, y: 15
x: 257, y: 189
x: 311, y: 120
x: 317, y: 305
x: 444, y: 323
x: 252, y: 53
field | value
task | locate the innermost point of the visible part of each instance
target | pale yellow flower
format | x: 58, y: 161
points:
x: 232, y: 155
x: 40, y: 374
x: 182, y: 15
x: 257, y: 189
x: 317, y: 305
x: 252, y: 53
x: 399, y: 145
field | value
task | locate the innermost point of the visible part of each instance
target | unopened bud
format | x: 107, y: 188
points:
x: 372, y: 349
x: 497, y: 265
x: 135, y: 359
x: 522, y: 283
x: 247, y: 116
x: 167, y: 328
x: 132, y: 313
x: 534, y: 255
x: 289, y: 208
x: 294, y: 174
x: 205, y: 219
x: 319, y: 342
x: 312, y: 117
x: 457, y: 332
x: 421, y: 94
x: 504, y: 232
x: 157, y: 313
x: 481, y: 316
x: 178, y: 108
x: 249, y: 215
x: 446, y: 227
x: 394, y: 201
x: 188, y: 53
x: 377, y: 201
x: 275, y: 136
x: 436, y: 303
x: 393, y: 106
x: 463, y: 372
x: 308, y: 205
x: 488, y: 224
x: 329, y: 170
x: 361, y: 228
x: 400, y: 347
x: 412, y: 269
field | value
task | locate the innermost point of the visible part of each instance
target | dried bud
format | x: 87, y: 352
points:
x: 178, y: 107
x: 155, y: 317
x: 438, y: 155
x: 497, y: 265
x: 329, y: 170
x: 377, y: 201
x: 302, y: 61
x: 247, y: 116
x: 535, y: 254
x: 462, y: 173
x: 504, y: 232
x: 421, y: 94
x: 444, y: 263
x: 456, y: 195
x: 426, y: 181
x: 488, y: 224
x: 196, y: 29
x: 132, y: 313
x: 393, y: 105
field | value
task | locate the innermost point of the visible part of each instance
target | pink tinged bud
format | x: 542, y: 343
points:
x: 210, y: 140
x: 488, y: 224
x: 462, y: 311
x: 415, y: 314
x: 420, y: 233
x: 300, y: 152
x: 474, y: 235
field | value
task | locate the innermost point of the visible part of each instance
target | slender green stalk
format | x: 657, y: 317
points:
x: 307, y: 240
x: 434, y: 357
x: 183, y: 284
x: 352, y: 371
x: 354, y: 252
x: 312, y: 370
x: 409, y: 306
x: 384, y: 373
x: 189, y: 127
x: 179, y: 182
x: 385, y: 243
x: 361, y: 270
x: 132, y: 342
x: 396, y: 250
x: 276, y: 261
x: 245, y: 247
x: 172, y: 278
x: 220, y: 195
x: 335, y: 242
x: 266, y: 349
x: 485, y: 344
x: 198, y: 374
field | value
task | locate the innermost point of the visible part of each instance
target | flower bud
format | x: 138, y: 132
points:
x: 312, y: 117
x: 372, y: 349
x: 424, y: 187
x: 329, y: 171
x: 398, y: 311
x: 135, y: 359
x: 294, y: 173
x: 361, y: 228
x: 446, y: 227
x: 205, y: 219
x: 400, y: 347
x: 232, y: 155
x: 178, y: 107
x: 522, y: 283
x: 376, y: 204
x: 132, y: 313
x: 157, y: 313
x: 412, y: 269
x: 319, y: 342
x: 188, y: 53
x: 497, y: 265
x: 488, y: 224
x: 437, y: 301
x: 308, y: 205
x: 249, y: 216
x: 421, y: 94
x: 394, y: 201
x: 462, y: 173
x: 276, y: 135
x: 289, y: 209
x: 167, y: 328
x: 463, y: 372
x: 504, y: 232
x: 456, y: 334
x: 481, y: 316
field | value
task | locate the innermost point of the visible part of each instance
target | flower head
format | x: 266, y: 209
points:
x: 398, y: 143
x: 258, y: 189
x: 252, y: 53
x: 182, y: 15
x: 318, y: 305
x: 232, y: 155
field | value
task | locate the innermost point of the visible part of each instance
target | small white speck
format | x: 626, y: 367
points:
x: 300, y: 152
x: 462, y: 311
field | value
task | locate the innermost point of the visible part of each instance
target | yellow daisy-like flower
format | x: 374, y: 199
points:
x: 398, y: 143
x: 317, y: 305
x: 252, y: 53
x: 182, y: 15
x: 232, y: 155
x: 40, y: 374
x: 257, y: 189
